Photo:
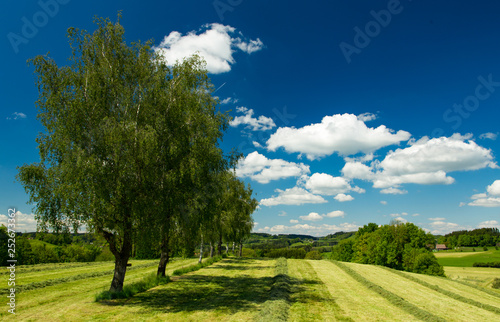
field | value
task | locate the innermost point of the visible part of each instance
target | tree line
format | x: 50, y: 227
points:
x: 402, y: 246
x: 480, y: 237
x: 131, y: 149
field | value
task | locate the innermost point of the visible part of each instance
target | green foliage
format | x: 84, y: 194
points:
x: 496, y: 283
x: 295, y: 253
x: 486, y: 264
x: 192, y: 268
x: 400, y: 245
x: 343, y: 251
x: 314, y: 254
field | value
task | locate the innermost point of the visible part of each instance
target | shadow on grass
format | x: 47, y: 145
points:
x: 196, y: 293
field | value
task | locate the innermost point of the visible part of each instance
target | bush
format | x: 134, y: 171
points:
x: 485, y: 248
x: 248, y: 252
x: 314, y: 254
x: 105, y: 255
x: 489, y: 264
x: 295, y: 253
x: 496, y: 283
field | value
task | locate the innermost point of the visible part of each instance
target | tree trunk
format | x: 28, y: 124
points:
x: 165, y: 256
x: 227, y: 247
x: 233, y: 249
x: 219, y: 246
x: 201, y: 250
x: 241, y: 249
x: 211, y: 250
x: 121, y: 258
x: 119, y: 275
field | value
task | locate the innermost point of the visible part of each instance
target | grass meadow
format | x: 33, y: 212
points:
x: 250, y: 289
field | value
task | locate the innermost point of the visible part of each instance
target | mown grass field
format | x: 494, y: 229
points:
x: 248, y: 289
x: 466, y: 259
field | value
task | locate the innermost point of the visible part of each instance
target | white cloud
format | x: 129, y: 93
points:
x: 313, y: 216
x: 341, y: 197
x: 17, y: 115
x: 310, y: 229
x: 494, y: 188
x: 263, y: 170
x: 489, y: 135
x: 489, y: 199
x: 249, y: 47
x: 488, y: 224
x: 214, y: 44
x: 294, y: 221
x: 344, y: 134
x: 282, y: 213
x: 325, y: 184
x: 442, y: 227
x: 425, y: 161
x: 367, y: 117
x: 393, y: 191
x: 335, y: 214
x: 262, y: 123
x: 401, y: 219
x: 383, y: 202
x: 292, y: 196
x: 24, y: 222
x: 229, y: 100
x: 437, y: 219
x: 399, y: 215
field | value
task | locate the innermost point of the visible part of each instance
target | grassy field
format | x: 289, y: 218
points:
x: 248, y: 289
x: 466, y: 259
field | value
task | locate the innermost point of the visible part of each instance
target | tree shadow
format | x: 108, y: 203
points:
x: 194, y: 293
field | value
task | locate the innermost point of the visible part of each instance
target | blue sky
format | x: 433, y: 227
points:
x: 347, y: 112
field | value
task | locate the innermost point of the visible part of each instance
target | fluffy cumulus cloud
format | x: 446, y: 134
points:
x: 342, y: 197
x: 262, y: 123
x: 263, y: 170
x: 215, y: 43
x: 309, y: 229
x: 426, y: 161
x: 313, y: 216
x: 344, y: 134
x: 489, y: 224
x: 325, y: 184
x: 439, y: 227
x: 490, y: 198
x: 293, y: 196
x: 24, y: 222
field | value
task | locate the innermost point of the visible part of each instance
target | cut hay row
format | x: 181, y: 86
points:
x: 311, y: 299
x: 72, y: 300
x: 454, y: 290
x: 395, y: 299
x: 421, y: 296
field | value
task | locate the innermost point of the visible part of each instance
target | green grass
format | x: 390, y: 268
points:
x: 130, y: 290
x: 192, y: 268
x: 467, y: 259
x: 245, y: 289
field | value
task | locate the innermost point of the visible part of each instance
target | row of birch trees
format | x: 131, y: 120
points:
x: 131, y: 149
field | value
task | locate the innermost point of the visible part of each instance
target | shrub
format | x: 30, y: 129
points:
x: 496, y: 283
x: 248, y: 252
x: 489, y: 264
x: 485, y: 248
x: 314, y: 254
